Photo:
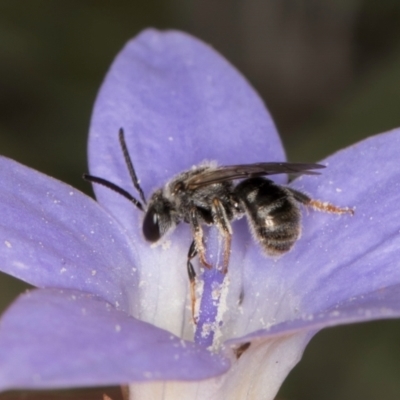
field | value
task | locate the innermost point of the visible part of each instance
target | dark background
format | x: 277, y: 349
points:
x: 329, y: 71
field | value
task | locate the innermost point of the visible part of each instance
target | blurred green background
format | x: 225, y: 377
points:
x: 329, y: 71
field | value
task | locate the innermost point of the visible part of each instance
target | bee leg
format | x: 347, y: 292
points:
x: 198, y: 238
x: 192, y: 278
x: 319, y: 205
x: 222, y: 222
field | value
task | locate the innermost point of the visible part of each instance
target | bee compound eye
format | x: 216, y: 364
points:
x: 151, y: 226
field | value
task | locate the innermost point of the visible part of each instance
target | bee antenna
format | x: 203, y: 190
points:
x: 129, y: 164
x: 115, y: 188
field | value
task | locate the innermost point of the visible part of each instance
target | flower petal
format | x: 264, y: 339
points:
x: 378, y: 305
x: 256, y: 375
x: 356, y: 255
x: 51, y: 235
x: 179, y: 103
x: 343, y: 269
x: 57, y: 338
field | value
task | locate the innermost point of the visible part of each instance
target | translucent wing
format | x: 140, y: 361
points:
x: 242, y: 171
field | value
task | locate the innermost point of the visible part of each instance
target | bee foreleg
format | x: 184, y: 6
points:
x: 222, y: 222
x: 192, y: 278
x: 319, y: 205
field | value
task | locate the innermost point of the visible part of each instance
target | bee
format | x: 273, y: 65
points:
x: 207, y: 194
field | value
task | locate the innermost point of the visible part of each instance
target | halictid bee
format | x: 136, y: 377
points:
x: 207, y: 194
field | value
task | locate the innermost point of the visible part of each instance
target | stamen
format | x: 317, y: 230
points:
x: 209, y: 316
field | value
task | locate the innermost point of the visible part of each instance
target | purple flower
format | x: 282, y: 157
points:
x: 113, y: 310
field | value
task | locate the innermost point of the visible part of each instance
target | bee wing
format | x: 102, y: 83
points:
x: 232, y: 172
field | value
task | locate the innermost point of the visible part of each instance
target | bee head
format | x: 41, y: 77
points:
x: 158, y: 219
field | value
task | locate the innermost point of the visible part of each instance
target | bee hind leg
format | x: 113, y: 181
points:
x: 319, y: 205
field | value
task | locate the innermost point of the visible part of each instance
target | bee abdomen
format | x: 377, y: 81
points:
x: 272, y: 212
